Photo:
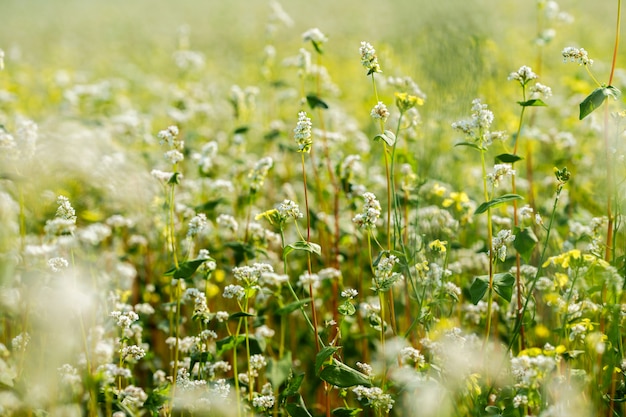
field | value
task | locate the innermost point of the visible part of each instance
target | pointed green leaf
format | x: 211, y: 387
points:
x: 241, y: 129
x: 346, y: 412
x: 317, y: 46
x: 508, y: 158
x: 228, y: 343
x: 596, y: 98
x: 525, y: 242
x: 174, y: 179
x: 341, y: 375
x: 323, y: 356
x: 304, y: 246
x: 314, y: 101
x: 298, y: 409
x: 479, y: 288
x: 293, y: 385
x: 503, y: 285
x: 471, y: 145
x: 496, y: 202
x: 186, y: 269
x: 532, y: 103
x: 278, y: 371
x: 291, y: 307
x: 388, y: 136
x: 240, y: 314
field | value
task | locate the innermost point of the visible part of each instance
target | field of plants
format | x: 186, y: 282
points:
x: 322, y: 208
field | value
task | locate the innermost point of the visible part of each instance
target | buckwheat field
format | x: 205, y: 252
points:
x: 312, y: 208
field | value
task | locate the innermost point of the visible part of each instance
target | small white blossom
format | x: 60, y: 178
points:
x: 523, y: 75
x: 302, y: 132
x: 349, y: 293
x: 578, y: 55
x: 369, y: 60
x: 314, y: 35
x: 380, y: 111
x: 58, y: 264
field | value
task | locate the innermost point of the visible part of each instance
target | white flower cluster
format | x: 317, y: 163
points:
x: 500, y: 241
x: 289, y: 209
x: 302, y: 132
x: 380, y: 112
x: 133, y: 351
x: 578, y: 55
x: 370, y: 214
x: 368, y: 58
x: 375, y: 397
x: 314, y: 35
x: 198, y: 223
x: 124, y: 319
x: 477, y: 127
x: 500, y: 172
x: 524, y: 74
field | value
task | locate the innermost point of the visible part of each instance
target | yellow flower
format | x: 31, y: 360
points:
x: 405, y: 101
x: 459, y: 200
x: 438, y: 246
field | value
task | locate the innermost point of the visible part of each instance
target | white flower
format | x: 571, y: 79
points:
x: 380, y: 111
x: 302, y: 132
x: 349, y: 293
x: 576, y: 55
x: 368, y: 58
x: 370, y: 213
x: 523, y: 75
x: 500, y: 172
x: 57, y: 264
x: 234, y: 291
x: 314, y: 35
x: 197, y: 224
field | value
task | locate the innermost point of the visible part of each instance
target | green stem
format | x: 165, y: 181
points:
x: 489, y: 247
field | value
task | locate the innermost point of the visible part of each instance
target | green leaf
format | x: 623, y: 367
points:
x: 347, y: 309
x: 201, y: 357
x: 471, y: 145
x: 304, y: 246
x: 525, y: 242
x: 532, y: 103
x: 479, y: 288
x: 595, y: 100
x: 314, y: 101
x: 293, y: 385
x: 174, y: 179
x: 228, y: 343
x: 291, y: 307
x: 341, y: 375
x: 346, y: 412
x: 186, y: 269
x: 298, y: 409
x: 388, y: 136
x: 492, y: 410
x: 318, y: 47
x: 508, y: 158
x: 503, y: 285
x: 323, y: 356
x: 240, y: 314
x: 496, y: 202
x: 278, y: 371
x: 241, y: 129
x: 156, y: 399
